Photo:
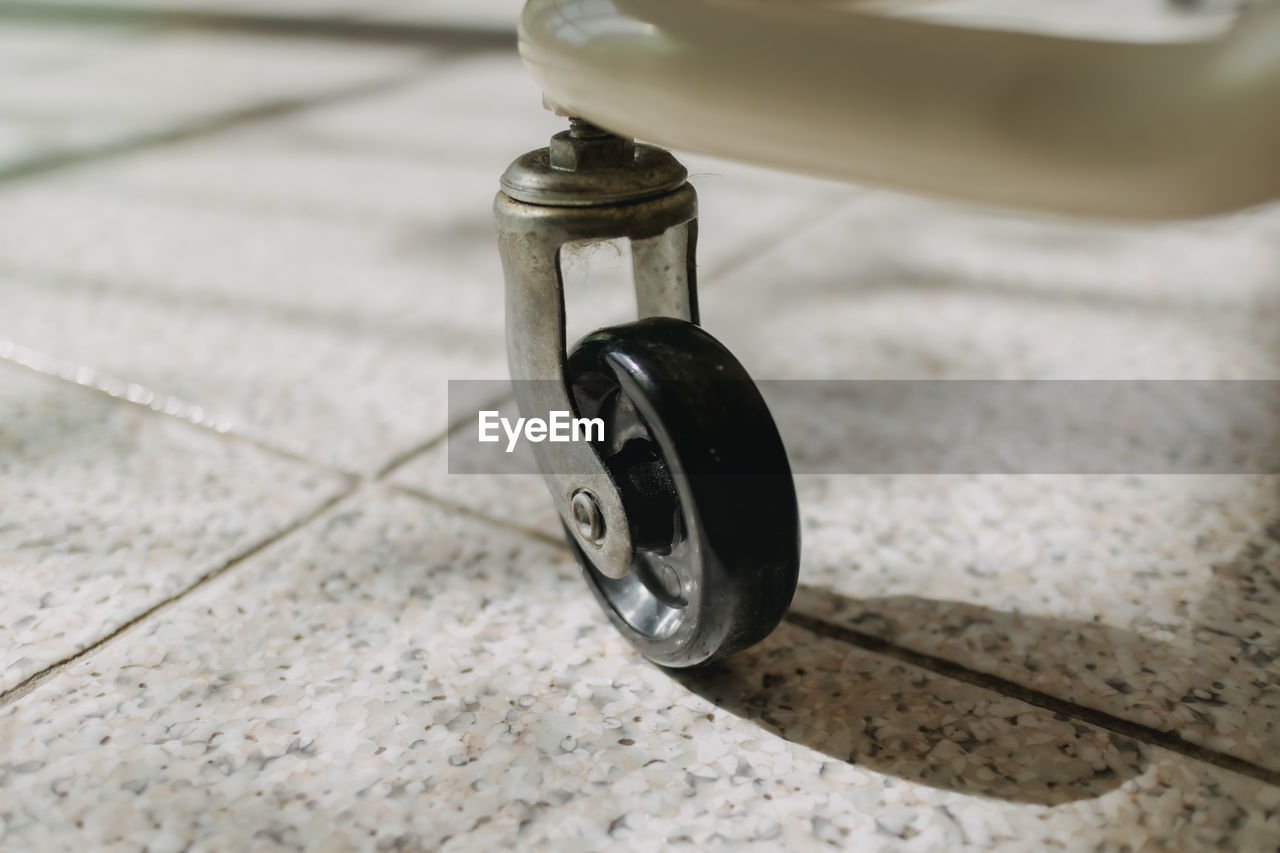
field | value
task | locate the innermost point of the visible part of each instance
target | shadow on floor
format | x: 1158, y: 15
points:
x: 879, y: 713
x: 891, y: 718
x: 1214, y: 674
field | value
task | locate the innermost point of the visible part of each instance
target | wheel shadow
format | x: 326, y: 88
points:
x: 1193, y: 644
x: 882, y: 715
x: 879, y: 713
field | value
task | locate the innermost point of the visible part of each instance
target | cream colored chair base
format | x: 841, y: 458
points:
x: 1076, y: 126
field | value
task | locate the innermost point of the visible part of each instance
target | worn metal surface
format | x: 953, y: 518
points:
x: 1081, y: 126
x: 588, y: 177
x: 589, y: 205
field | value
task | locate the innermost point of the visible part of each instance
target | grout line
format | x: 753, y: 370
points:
x: 157, y: 402
x: 36, y: 679
x: 784, y: 232
x: 1169, y: 740
x: 463, y: 509
x: 129, y: 392
x: 404, y: 457
x: 90, y: 379
x: 202, y: 126
x: 212, y: 19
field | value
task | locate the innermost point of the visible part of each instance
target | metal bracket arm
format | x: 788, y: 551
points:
x: 663, y: 233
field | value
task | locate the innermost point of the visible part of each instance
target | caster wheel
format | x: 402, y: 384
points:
x: 705, y: 486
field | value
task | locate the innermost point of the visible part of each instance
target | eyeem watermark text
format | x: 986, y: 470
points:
x: 559, y: 426
x: 934, y: 426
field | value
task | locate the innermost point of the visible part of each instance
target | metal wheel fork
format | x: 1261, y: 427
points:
x: 588, y: 185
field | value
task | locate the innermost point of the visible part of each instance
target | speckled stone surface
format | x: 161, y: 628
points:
x: 892, y: 287
x: 1152, y: 598
x: 370, y: 397
x: 521, y: 500
x: 108, y: 511
x: 82, y: 90
x: 399, y: 677
x: 496, y: 14
x: 398, y: 673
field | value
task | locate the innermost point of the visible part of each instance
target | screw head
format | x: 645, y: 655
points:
x: 587, y: 516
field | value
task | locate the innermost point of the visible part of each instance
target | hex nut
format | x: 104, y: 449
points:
x: 574, y: 153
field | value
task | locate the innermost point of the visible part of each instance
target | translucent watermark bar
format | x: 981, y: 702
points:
x: 962, y: 426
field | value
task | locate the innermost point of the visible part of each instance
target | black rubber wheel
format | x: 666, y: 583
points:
x: 705, y: 485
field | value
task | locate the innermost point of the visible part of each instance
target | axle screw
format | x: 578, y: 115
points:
x: 587, y: 517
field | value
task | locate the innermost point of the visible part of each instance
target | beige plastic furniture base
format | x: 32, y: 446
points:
x: 1076, y: 126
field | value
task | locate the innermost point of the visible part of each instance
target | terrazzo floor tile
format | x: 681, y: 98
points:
x: 108, y: 511
x: 1151, y: 597
x: 1131, y: 20
x: 235, y: 272
x: 310, y: 238
x: 897, y: 288
x: 397, y: 677
x: 333, y: 395
x: 147, y: 84
x: 518, y: 499
x: 488, y: 13
x: 33, y: 49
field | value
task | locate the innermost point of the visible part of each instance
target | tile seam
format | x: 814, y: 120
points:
x: 1164, y: 739
x: 791, y: 229
x: 339, y: 28
x: 151, y: 402
x: 202, y: 126
x: 37, y: 679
